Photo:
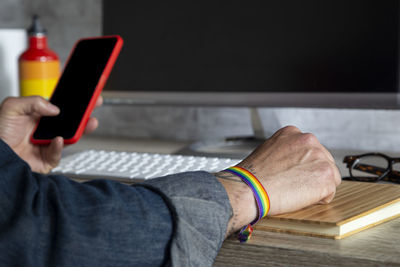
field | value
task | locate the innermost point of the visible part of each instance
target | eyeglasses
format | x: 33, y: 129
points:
x: 372, y: 167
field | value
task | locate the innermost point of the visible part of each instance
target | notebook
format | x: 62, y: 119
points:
x: 357, y: 206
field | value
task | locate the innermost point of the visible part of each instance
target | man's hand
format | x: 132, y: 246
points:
x: 18, y: 118
x: 294, y: 168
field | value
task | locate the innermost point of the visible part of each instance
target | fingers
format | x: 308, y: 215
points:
x: 337, y: 175
x: 51, y: 155
x: 99, y: 101
x: 32, y: 105
x: 91, y: 125
x: 330, y: 179
x: 55, y: 149
x: 327, y: 199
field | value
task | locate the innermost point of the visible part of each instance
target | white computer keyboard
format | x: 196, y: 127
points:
x: 128, y: 166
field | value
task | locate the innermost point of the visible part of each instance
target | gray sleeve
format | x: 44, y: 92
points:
x: 202, y: 209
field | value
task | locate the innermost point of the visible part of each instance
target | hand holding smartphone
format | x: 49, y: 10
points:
x: 78, y: 88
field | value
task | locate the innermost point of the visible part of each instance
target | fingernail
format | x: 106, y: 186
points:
x: 53, y: 108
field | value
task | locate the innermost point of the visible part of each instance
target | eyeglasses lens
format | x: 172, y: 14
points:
x: 369, y: 167
x: 396, y: 167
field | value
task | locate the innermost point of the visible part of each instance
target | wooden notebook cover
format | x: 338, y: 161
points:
x: 352, y: 200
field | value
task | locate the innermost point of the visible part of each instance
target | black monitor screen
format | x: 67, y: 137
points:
x: 255, y: 46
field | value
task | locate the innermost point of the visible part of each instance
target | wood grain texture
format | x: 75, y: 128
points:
x: 352, y: 200
x: 379, y: 246
x: 357, y: 206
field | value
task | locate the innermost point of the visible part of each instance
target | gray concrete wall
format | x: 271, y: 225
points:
x: 67, y: 21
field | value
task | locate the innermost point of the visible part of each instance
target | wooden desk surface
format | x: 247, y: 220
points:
x: 377, y: 246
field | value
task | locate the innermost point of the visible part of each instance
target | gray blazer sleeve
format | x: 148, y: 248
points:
x: 54, y: 221
x: 202, y: 213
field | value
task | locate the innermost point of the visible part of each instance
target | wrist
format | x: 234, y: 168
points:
x: 242, y: 201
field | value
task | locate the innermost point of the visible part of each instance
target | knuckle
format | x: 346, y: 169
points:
x: 8, y: 102
x: 37, y: 99
x: 317, y: 154
x: 289, y: 129
x: 37, y: 103
x: 9, y: 99
x: 309, y: 139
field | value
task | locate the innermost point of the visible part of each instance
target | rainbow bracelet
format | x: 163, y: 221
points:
x: 260, y: 195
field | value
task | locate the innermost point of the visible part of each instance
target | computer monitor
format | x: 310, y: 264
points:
x: 286, y: 53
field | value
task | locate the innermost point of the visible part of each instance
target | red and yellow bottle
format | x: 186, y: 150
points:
x: 39, y: 67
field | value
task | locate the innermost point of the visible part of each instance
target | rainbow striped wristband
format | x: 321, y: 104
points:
x: 260, y: 195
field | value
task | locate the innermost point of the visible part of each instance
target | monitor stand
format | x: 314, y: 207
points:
x: 232, y: 147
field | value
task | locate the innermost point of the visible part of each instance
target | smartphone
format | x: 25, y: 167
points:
x: 78, y: 88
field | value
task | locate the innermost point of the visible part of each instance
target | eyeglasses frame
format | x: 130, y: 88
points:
x: 387, y: 174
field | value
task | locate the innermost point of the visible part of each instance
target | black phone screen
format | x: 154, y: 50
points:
x: 76, y: 87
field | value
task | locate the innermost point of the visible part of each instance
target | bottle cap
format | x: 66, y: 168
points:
x: 36, y: 27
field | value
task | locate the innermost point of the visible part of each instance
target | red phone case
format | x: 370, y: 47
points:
x: 96, y: 93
